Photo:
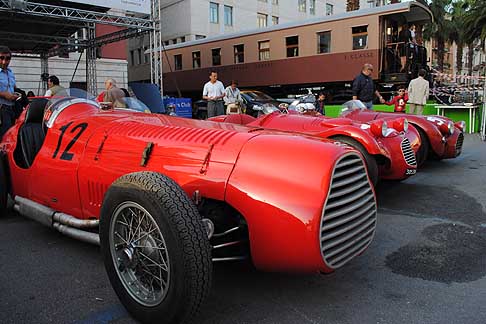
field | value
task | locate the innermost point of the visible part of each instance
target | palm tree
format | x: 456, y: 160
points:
x: 352, y: 5
x: 440, y: 28
x: 475, y: 21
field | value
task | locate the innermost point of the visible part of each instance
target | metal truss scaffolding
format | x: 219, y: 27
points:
x: 47, y: 30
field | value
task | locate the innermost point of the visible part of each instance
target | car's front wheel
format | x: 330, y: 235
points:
x: 155, y: 248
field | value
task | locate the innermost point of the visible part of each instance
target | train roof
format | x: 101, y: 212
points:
x: 413, y: 12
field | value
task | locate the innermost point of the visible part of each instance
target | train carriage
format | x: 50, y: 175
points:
x: 322, y: 52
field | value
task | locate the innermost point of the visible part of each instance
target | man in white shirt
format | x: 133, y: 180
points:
x: 418, y: 92
x: 232, y: 99
x: 213, y: 92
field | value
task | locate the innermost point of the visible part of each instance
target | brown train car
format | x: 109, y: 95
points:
x: 326, y: 52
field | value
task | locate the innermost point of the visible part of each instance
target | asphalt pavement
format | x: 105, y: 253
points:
x: 427, y: 264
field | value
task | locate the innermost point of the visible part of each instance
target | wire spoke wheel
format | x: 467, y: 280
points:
x: 139, y: 254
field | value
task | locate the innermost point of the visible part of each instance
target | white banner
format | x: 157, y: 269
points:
x: 142, y: 6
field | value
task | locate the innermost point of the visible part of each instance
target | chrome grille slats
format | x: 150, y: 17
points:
x: 349, y: 215
x: 408, y: 153
x: 459, y: 143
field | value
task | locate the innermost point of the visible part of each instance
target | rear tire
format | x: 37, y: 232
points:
x: 371, y: 164
x: 423, y: 152
x: 155, y: 248
x: 3, y: 187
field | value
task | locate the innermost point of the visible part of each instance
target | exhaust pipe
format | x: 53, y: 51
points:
x: 63, y: 223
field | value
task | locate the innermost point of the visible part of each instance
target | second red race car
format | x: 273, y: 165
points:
x: 388, y: 147
x: 441, y: 138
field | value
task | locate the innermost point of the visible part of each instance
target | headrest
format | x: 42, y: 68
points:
x: 35, y: 111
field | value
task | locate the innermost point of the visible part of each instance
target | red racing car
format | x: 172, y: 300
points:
x: 166, y: 196
x: 441, y: 138
x: 389, y: 151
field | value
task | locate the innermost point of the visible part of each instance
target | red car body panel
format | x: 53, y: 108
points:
x: 442, y: 145
x: 278, y: 182
x: 395, y: 166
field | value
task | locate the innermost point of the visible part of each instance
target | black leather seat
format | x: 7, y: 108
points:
x: 32, y: 133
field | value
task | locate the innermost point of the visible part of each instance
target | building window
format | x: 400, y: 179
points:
x: 214, y: 13
x: 139, y: 56
x: 275, y: 2
x: 239, y: 51
x: 146, y: 56
x: 274, y: 20
x: 183, y: 39
x: 196, y: 60
x: 360, y: 37
x: 312, y: 7
x: 228, y: 15
x: 132, y: 57
x: 166, y: 43
x: 302, y: 5
x: 329, y: 9
x: 292, y: 44
x: 324, y: 42
x: 178, y: 62
x: 262, y: 20
x: 174, y: 41
x: 264, y: 50
x: 200, y: 37
x: 263, y: 0
x: 216, y: 53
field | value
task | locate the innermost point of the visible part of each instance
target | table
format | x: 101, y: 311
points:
x: 472, y: 113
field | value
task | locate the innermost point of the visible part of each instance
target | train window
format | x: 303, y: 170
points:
x: 360, y: 37
x: 264, y: 50
x: 292, y: 44
x: 239, y: 51
x: 324, y: 42
x: 216, y: 53
x: 178, y: 62
x: 196, y: 60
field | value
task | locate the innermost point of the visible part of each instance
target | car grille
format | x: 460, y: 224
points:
x: 408, y: 153
x: 349, y: 216
x: 460, y: 141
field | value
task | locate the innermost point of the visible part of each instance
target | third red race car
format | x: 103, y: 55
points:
x: 441, y: 138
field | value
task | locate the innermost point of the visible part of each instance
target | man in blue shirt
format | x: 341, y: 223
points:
x: 7, y: 95
x: 364, y: 88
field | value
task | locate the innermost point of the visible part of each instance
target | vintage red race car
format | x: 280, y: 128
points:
x: 441, y: 138
x: 166, y: 196
x: 388, y: 147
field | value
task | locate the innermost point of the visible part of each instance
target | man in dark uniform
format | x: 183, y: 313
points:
x: 364, y: 88
x: 7, y: 95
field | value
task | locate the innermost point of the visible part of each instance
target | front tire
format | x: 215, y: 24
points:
x: 423, y: 152
x: 371, y: 164
x: 155, y: 248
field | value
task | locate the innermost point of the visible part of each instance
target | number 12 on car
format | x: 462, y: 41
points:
x: 77, y: 130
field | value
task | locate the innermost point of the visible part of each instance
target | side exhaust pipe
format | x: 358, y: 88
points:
x: 63, y: 223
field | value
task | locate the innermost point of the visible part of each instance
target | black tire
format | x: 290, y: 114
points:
x: 3, y: 187
x: 423, y: 152
x: 371, y: 164
x: 182, y: 248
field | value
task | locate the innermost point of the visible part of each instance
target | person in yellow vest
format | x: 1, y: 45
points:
x: 55, y: 90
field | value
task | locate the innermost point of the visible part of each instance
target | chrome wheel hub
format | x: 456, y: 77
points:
x: 139, y: 253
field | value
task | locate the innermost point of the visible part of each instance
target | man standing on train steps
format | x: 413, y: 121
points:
x: 214, y: 93
x: 364, y: 88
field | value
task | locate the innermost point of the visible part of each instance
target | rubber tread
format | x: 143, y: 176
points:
x: 183, y: 214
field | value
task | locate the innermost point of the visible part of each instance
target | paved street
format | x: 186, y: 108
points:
x: 427, y: 264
